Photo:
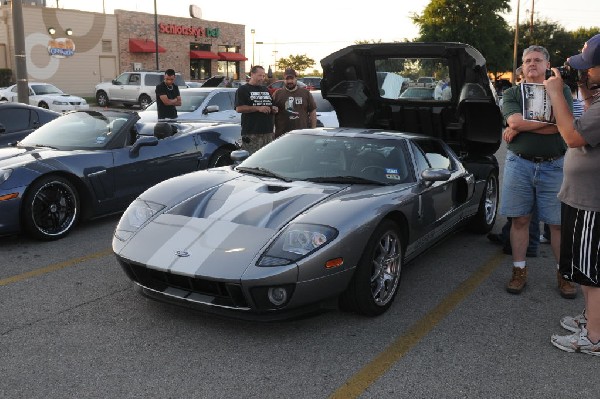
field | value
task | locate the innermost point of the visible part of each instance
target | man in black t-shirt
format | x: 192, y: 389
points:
x: 255, y: 104
x: 167, y: 96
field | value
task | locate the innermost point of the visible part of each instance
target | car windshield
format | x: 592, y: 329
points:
x: 347, y: 160
x: 413, y: 78
x: 77, y: 130
x: 45, y: 89
x: 190, y: 101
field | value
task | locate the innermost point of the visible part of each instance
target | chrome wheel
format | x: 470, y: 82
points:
x: 490, y: 204
x: 375, y: 282
x: 386, y: 267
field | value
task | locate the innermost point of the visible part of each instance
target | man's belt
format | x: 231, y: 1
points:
x: 531, y: 158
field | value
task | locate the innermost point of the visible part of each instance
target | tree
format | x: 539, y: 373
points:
x: 298, y: 62
x: 560, y: 43
x: 475, y: 22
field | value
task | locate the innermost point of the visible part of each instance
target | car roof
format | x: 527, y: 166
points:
x: 8, y: 104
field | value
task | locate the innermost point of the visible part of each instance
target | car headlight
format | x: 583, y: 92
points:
x: 296, y: 242
x: 58, y: 102
x: 5, y: 174
x: 136, y: 215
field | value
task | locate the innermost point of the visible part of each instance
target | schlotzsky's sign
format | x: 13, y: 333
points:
x: 188, y: 30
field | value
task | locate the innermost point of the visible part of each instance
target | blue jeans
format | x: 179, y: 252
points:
x: 529, y: 185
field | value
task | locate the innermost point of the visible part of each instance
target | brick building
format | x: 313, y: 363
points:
x: 75, y: 49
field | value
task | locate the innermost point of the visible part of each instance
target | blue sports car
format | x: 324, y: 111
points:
x: 87, y: 164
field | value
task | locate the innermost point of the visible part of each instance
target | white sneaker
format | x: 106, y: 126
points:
x: 573, y: 323
x: 577, y: 342
x: 544, y: 240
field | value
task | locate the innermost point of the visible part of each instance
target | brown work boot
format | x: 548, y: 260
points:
x: 518, y: 280
x: 567, y: 289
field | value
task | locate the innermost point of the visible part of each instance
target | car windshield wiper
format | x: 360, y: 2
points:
x: 346, y: 179
x: 262, y: 172
x: 41, y: 145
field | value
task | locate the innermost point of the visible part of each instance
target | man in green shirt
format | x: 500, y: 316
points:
x: 533, y: 171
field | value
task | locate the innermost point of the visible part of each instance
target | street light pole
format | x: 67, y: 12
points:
x: 252, y: 31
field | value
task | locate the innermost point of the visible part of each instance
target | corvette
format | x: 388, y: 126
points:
x: 328, y: 214
x: 87, y: 164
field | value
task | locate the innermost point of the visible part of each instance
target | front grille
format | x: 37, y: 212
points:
x: 189, y: 288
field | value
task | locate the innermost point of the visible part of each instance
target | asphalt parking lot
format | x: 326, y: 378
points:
x: 71, y: 326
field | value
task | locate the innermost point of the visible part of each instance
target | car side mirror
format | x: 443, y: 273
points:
x: 435, y: 174
x: 238, y: 156
x: 144, y: 141
x: 210, y: 109
x: 116, y: 82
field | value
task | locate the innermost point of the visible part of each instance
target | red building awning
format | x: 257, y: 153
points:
x: 199, y: 54
x: 232, y: 57
x: 144, y: 46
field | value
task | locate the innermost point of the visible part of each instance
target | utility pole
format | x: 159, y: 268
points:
x: 156, y: 34
x: 20, y: 56
x: 531, y: 20
x: 516, y: 45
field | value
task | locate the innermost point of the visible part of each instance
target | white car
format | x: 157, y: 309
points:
x: 326, y: 116
x: 212, y: 103
x: 46, y: 95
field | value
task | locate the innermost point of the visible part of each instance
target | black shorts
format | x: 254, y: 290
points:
x: 580, y: 246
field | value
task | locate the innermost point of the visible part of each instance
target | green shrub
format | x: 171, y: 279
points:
x: 5, y: 77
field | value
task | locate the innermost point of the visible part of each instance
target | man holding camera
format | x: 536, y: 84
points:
x: 580, y: 196
x: 532, y: 171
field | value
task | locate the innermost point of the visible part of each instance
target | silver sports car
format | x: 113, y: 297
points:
x: 332, y: 213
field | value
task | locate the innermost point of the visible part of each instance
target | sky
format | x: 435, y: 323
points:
x: 318, y: 28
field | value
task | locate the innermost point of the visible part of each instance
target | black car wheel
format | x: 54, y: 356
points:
x: 102, y: 99
x: 375, y: 282
x: 221, y: 157
x: 43, y: 105
x: 145, y: 101
x: 50, y: 208
x: 484, y: 219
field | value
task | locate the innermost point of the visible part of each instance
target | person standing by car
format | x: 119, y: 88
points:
x: 255, y: 104
x: 532, y: 171
x: 296, y: 106
x: 580, y: 245
x: 167, y: 96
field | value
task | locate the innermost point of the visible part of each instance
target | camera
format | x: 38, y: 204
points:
x: 569, y: 74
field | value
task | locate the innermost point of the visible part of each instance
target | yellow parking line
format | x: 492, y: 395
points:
x: 360, y: 381
x: 54, y: 267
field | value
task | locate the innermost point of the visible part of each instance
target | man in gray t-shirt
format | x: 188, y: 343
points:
x: 580, y: 196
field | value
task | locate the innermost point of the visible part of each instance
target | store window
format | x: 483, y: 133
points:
x: 229, y: 69
x: 106, y: 46
x: 199, y: 67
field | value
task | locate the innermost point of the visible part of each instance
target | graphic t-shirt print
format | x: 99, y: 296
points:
x: 260, y: 98
x: 290, y: 106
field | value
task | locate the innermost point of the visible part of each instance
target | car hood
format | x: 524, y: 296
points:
x: 63, y: 97
x: 223, y: 230
x: 214, y: 81
x: 12, y: 156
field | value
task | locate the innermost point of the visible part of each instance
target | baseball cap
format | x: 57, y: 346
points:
x: 590, y: 55
x: 289, y: 72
